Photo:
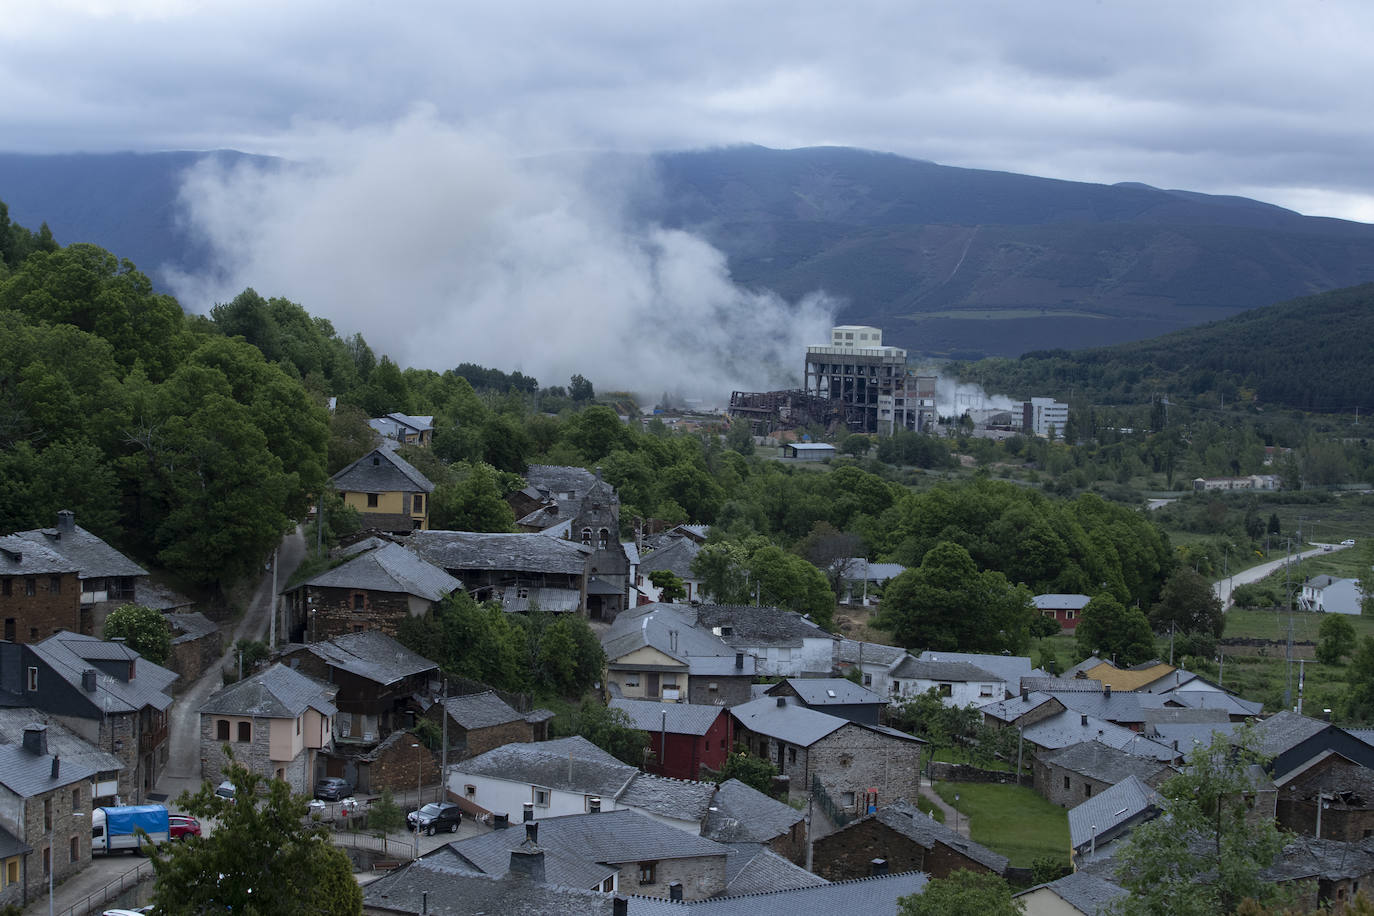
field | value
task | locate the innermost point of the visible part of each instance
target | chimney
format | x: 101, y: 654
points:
x: 532, y: 833
x: 1025, y: 693
x: 782, y: 701
x: 56, y: 765
x: 529, y: 812
x: 594, y: 804
x: 1084, y: 718
x: 66, y: 522
x: 675, y: 891
x: 878, y: 868
x: 620, y: 906
x: 1107, y: 691
x: 598, y: 473
x: 527, y: 859
x: 739, y: 661
x: 36, y: 739
x: 88, y: 678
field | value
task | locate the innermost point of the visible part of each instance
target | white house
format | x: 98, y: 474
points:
x: 782, y: 643
x: 874, y: 661
x: 1330, y: 595
x: 958, y: 683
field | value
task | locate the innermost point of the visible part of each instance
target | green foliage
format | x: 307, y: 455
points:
x: 927, y: 716
x: 948, y: 604
x: 740, y: 438
x: 1359, y: 701
x: 1336, y: 638
x: 429, y: 733
x: 259, y: 859
x: 1203, y: 855
x: 1049, y: 868
x: 609, y: 729
x: 670, y: 585
x: 960, y: 894
x: 754, y: 772
x: 144, y: 629
x: 340, y: 520
x: 384, y: 815
x: 251, y: 653
x: 474, y: 503
x: 1188, y: 603
x: 1114, y: 632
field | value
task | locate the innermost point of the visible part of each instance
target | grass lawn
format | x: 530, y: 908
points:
x: 1011, y: 820
x: 959, y: 755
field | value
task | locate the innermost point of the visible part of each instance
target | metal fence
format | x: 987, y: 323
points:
x: 110, y: 892
x: 837, y: 815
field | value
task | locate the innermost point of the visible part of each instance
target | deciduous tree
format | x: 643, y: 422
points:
x: 962, y: 893
x: 143, y: 629
x: 1113, y: 631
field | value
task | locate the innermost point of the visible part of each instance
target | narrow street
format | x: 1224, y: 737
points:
x: 1222, y: 588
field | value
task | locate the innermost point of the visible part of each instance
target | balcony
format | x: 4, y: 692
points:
x: 149, y: 740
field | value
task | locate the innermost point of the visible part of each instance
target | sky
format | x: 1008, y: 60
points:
x: 428, y: 112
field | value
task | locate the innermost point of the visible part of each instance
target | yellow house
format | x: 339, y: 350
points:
x: 12, y: 852
x: 388, y: 490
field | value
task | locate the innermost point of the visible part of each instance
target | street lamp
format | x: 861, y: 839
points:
x: 52, y: 853
x: 956, y: 812
x: 417, y: 801
x: 1197, y: 564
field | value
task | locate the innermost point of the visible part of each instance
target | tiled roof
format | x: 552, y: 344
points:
x: 371, y: 655
x: 859, y: 897
x: 742, y: 814
x: 850, y: 650
x: 69, y: 655
x: 1285, y: 730
x: 62, y: 741
x: 925, y: 831
x: 569, y: 764
x: 1061, y: 602
x: 190, y: 626
x: 556, y: 479
x: 832, y: 691
x: 1106, y: 764
x: 962, y: 672
x: 1114, y: 707
x: 1088, y: 893
x: 1008, y: 668
x: 1016, y: 707
x: 752, y: 868
x: 1212, y: 699
x: 10, y: 845
x: 277, y: 692
x: 1190, y: 735
x: 382, y: 471
x: 530, y: 552
x: 790, y: 722
x: 682, y: 718
x: 441, y: 884
x: 611, y: 837
x: 1068, y: 728
x: 759, y: 626
x: 92, y: 556
x: 22, y: 557
x: 27, y: 775
x: 480, y: 710
x: 1100, y: 815
x: 857, y: 569
x: 678, y: 799
x: 388, y: 568
x: 655, y: 625
x: 564, y: 865
x: 676, y: 557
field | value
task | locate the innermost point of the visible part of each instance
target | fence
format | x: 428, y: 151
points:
x: 962, y: 772
x: 836, y: 814
x: 110, y: 892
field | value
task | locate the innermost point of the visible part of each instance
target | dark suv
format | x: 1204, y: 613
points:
x: 436, y: 816
x: 333, y: 788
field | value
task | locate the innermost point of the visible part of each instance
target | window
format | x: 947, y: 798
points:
x: 54, y: 585
x: 12, y: 871
x: 632, y: 679
x: 33, y: 678
x: 603, y: 538
x: 358, y: 601
x: 470, y: 791
x: 587, y: 536
x: 10, y: 629
x: 868, y: 680
x: 1066, y: 782
x: 47, y: 814
x: 946, y: 690
x: 985, y: 690
x: 791, y: 755
x: 298, y: 725
x: 6, y: 587
x: 1068, y: 615
x: 75, y: 850
x: 222, y: 730
x: 608, y: 886
x: 245, y: 732
x: 1087, y: 790
x: 372, y: 499
x: 648, y: 872
x: 713, y: 687
x: 47, y: 861
x: 281, y: 773
x: 540, y: 796
x: 76, y: 799
x: 896, y: 687
x: 30, y: 586
x: 418, y: 503
x: 847, y: 799
x: 522, y: 591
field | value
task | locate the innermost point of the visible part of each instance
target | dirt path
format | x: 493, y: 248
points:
x: 953, y: 819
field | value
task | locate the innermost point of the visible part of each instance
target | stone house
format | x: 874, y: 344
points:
x: 480, y: 722
x: 1344, y: 789
x: 40, y: 593
x: 906, y: 840
x: 45, y: 804
x: 1327, y: 874
x: 658, y: 652
x: 399, y: 763
x: 835, y: 696
x: 197, y: 645
x: 1098, y: 823
x: 276, y: 722
x: 1075, y: 773
x: 676, y: 557
x: 12, y: 854
x: 742, y: 814
x: 857, y: 766
x: 873, y: 661
x: 74, y: 750
x: 103, y: 691
x: 1068, y: 728
x: 107, y: 578
x: 380, y: 585
x: 516, y: 570
x: 1290, y: 740
x: 684, y: 738
x: 389, y: 492
x: 783, y: 643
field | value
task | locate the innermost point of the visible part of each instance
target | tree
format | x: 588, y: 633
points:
x: 143, y: 629
x: 670, y: 585
x: 1188, y: 603
x: 385, y: 816
x: 609, y: 729
x: 856, y: 444
x: 962, y: 893
x: 474, y: 503
x: 580, y: 390
x: 1335, y: 639
x: 739, y: 437
x: 1108, y: 629
x: 1204, y: 854
x: 1360, y: 676
x: 262, y: 857
x: 748, y: 769
x: 836, y: 553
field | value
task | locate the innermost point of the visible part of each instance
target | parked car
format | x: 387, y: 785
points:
x: 333, y: 788
x: 436, y: 816
x: 1348, y: 542
x: 183, y: 826
x: 225, y: 790
x: 1327, y: 548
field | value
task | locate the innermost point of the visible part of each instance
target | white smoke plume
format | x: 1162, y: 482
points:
x: 443, y: 248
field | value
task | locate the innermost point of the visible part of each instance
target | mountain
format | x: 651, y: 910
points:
x: 949, y: 261
x: 1310, y: 353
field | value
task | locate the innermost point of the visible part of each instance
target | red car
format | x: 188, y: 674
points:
x: 183, y: 825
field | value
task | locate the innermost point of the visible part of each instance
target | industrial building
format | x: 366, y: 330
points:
x: 869, y: 383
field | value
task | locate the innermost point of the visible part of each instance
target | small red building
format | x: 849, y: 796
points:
x: 1067, y: 609
x: 683, y: 737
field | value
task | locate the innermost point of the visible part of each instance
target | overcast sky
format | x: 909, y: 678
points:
x: 1268, y: 99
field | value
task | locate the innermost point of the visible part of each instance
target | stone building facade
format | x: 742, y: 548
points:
x: 40, y: 593
x: 1071, y: 775
x: 701, y: 877
x: 926, y: 847
x: 1347, y: 790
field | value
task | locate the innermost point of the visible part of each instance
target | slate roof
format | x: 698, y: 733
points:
x: 190, y: 626
x: 544, y: 597
x: 22, y: 557
x: 759, y: 626
x: 848, y: 651
x: 1114, y: 707
x: 1068, y: 728
x: 961, y: 672
x: 1285, y: 730
x: 556, y: 479
x: 1016, y: 707
x: 92, y: 556
x: 675, y: 556
x: 683, y: 718
x: 1057, y: 684
x: 1106, y: 764
x: 857, y: 569
x: 10, y: 845
x: 69, y: 656
x: 906, y: 819
x: 382, y: 471
x: 387, y: 568
x: 443, y: 885
x: 610, y: 837
x: 371, y: 655
x: 861, y: 896
x: 1332, y: 860
x: 833, y: 691
x: 28, y: 775
x: 564, y: 865
x: 387, y: 425
x: 678, y: 799
x: 480, y: 710
x: 1086, y: 892
x: 654, y: 625
x: 277, y: 692
x: 799, y: 725
x: 1190, y: 736
x: 568, y: 764
x: 752, y: 868
x: 530, y: 552
x: 62, y: 741
x: 1108, y: 810
x: 740, y: 813
x: 1008, y: 668
x: 1211, y: 699
x: 1057, y: 602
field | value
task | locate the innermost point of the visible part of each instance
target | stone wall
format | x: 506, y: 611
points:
x: 962, y: 772
x: 65, y: 828
x: 730, y: 691
x: 196, y: 650
x: 855, y: 759
x: 333, y: 612
x: 701, y: 877
x: 254, y: 754
x: 792, y: 844
x: 395, y: 765
x: 33, y: 618
x: 1064, y: 787
x: 849, y: 853
x: 119, y: 735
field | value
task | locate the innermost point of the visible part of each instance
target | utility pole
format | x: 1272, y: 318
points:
x: 1301, y: 663
x: 1288, y: 592
x: 443, y: 753
x: 272, y: 630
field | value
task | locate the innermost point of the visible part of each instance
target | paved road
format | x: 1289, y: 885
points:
x: 183, y: 762
x: 1223, y: 587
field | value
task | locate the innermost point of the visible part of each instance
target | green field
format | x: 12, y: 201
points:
x: 1011, y: 820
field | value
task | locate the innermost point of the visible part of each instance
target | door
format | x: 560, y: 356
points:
x: 651, y: 684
